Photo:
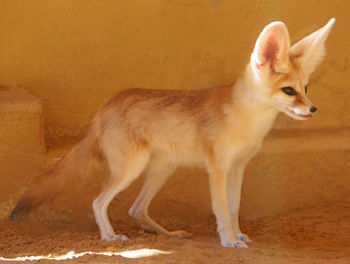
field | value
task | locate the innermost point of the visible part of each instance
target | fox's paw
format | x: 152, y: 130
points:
x: 179, y: 233
x: 243, y: 237
x: 114, y: 237
x: 235, y: 244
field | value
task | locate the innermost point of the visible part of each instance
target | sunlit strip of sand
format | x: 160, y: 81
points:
x: 138, y: 253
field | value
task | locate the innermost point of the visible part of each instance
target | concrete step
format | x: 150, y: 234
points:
x: 297, y: 140
x: 22, y: 145
x: 298, y: 169
x: 295, y: 169
x: 21, y: 124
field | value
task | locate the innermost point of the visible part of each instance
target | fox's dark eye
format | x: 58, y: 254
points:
x: 289, y: 90
x: 306, y: 89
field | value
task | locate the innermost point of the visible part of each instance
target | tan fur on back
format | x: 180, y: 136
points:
x: 171, y: 121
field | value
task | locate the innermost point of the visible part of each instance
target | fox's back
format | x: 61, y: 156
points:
x: 174, y: 121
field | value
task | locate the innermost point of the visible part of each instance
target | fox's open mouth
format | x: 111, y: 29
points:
x: 305, y: 116
x: 299, y: 115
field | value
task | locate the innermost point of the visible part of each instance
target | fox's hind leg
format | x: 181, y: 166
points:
x: 124, y: 169
x: 158, y: 171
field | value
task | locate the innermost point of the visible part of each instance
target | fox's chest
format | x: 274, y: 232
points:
x: 261, y: 124
x: 247, y: 135
x: 253, y: 129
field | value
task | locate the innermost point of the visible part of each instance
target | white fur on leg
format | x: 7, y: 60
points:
x: 122, y: 175
x: 115, y: 237
x: 235, y: 244
x: 234, y: 189
x: 158, y: 171
x: 243, y: 237
x: 218, y: 190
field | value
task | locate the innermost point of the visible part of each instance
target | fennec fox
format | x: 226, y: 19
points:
x: 220, y: 129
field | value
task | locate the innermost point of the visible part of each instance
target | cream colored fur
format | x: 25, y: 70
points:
x: 219, y: 129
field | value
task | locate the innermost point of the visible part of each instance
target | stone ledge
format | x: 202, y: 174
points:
x: 21, y: 124
x: 15, y: 99
x: 22, y: 145
x: 307, y: 140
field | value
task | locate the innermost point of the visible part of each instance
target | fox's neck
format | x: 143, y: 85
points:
x: 248, y: 101
x: 247, y: 94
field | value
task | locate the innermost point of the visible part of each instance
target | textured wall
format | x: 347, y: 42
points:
x: 73, y: 54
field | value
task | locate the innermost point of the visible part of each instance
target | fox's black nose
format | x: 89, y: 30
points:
x: 313, y: 109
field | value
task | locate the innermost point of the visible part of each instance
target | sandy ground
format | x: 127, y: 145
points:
x: 316, y: 235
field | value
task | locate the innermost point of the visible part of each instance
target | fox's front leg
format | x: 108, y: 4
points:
x: 235, y: 180
x: 218, y: 189
x: 234, y: 195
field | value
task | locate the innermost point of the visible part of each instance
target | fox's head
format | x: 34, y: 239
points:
x: 281, y: 72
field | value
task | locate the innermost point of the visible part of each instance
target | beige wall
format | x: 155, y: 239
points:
x: 73, y: 54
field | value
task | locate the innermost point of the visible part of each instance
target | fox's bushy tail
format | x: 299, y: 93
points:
x: 77, y: 162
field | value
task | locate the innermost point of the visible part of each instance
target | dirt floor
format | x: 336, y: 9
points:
x: 316, y: 235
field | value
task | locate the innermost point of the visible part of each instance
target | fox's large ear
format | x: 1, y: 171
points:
x: 272, y: 48
x: 311, y: 49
